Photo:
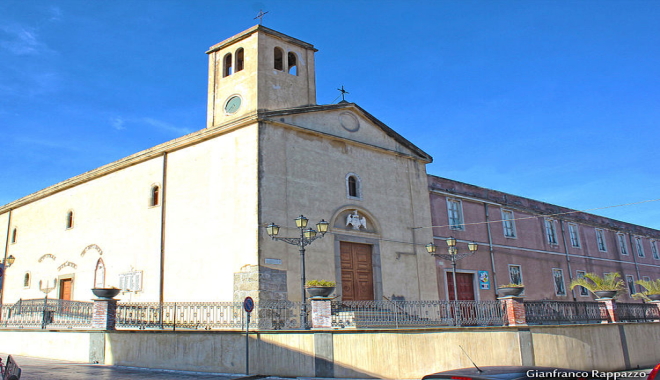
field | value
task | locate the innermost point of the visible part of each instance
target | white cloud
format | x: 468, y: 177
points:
x: 167, y: 127
x: 55, y: 144
x: 20, y: 40
x: 56, y: 13
x: 118, y: 123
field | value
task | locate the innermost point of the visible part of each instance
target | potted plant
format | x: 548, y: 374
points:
x: 606, y: 286
x: 320, y: 288
x: 510, y: 289
x: 106, y: 293
x: 652, y: 292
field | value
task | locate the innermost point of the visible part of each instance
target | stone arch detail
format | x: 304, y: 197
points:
x: 352, y: 218
x: 47, y: 256
x: 92, y: 247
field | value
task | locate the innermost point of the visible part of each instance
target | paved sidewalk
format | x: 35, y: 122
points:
x: 49, y: 369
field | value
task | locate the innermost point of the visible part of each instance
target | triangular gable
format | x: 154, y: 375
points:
x: 348, y: 121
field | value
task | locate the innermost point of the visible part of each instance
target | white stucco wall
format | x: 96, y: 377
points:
x: 211, y: 225
x: 112, y: 212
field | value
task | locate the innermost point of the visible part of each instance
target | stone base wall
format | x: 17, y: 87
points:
x: 260, y: 283
x: 409, y: 353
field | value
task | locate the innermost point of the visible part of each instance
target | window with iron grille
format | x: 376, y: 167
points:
x: 639, y: 246
x: 654, y: 249
x: 551, y: 231
x: 622, y: 244
x: 600, y: 239
x: 455, y: 212
x: 630, y: 280
x: 583, y: 291
x: 515, y: 274
x: 558, y: 275
x: 573, y: 233
x: 508, y: 222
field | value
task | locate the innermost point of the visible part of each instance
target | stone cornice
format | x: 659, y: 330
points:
x: 344, y: 105
x: 259, y: 28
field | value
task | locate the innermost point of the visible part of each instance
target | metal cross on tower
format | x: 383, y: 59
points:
x: 343, y: 93
x: 260, y: 16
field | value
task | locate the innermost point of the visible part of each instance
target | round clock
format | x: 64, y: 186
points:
x: 233, y: 104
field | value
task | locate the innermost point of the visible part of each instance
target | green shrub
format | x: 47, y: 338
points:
x: 324, y: 283
x: 595, y: 283
x: 512, y: 285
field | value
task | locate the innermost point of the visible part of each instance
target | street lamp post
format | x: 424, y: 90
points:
x: 307, y: 236
x: 8, y: 261
x: 452, y: 256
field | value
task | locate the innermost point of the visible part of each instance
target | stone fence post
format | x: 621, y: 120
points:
x: 657, y: 304
x: 515, y: 310
x: 321, y: 313
x: 104, y: 314
x: 610, y: 309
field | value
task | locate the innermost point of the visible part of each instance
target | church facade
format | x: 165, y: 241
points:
x: 185, y: 220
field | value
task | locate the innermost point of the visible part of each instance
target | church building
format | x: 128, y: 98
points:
x: 186, y: 220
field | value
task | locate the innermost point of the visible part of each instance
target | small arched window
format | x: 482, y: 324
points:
x: 293, y: 64
x: 69, y: 220
x: 99, y: 274
x: 155, y: 195
x: 278, y: 59
x: 353, y: 186
x: 14, y: 235
x: 26, y: 280
x: 226, y: 66
x: 240, y: 63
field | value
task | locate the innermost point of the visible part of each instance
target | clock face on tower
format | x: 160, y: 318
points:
x: 233, y: 104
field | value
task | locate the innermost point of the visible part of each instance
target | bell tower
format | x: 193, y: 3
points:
x: 258, y: 69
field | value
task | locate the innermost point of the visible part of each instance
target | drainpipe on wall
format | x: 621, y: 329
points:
x: 633, y: 252
x: 490, y: 248
x: 412, y: 216
x: 4, y: 260
x: 568, y: 258
x: 162, y: 233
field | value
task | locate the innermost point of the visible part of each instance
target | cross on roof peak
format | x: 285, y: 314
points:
x: 261, y: 15
x: 343, y: 93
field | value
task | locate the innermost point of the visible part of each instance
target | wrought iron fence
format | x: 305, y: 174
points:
x: 374, y: 314
x: 47, y: 313
x: 637, y: 312
x: 267, y: 315
x: 285, y: 315
x: 558, y: 312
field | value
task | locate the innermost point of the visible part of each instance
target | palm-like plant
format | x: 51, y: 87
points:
x: 652, y: 288
x: 595, y: 283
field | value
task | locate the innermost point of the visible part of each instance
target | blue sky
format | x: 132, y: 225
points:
x: 553, y: 100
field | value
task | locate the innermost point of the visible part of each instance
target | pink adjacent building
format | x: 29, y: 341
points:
x: 544, y: 246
